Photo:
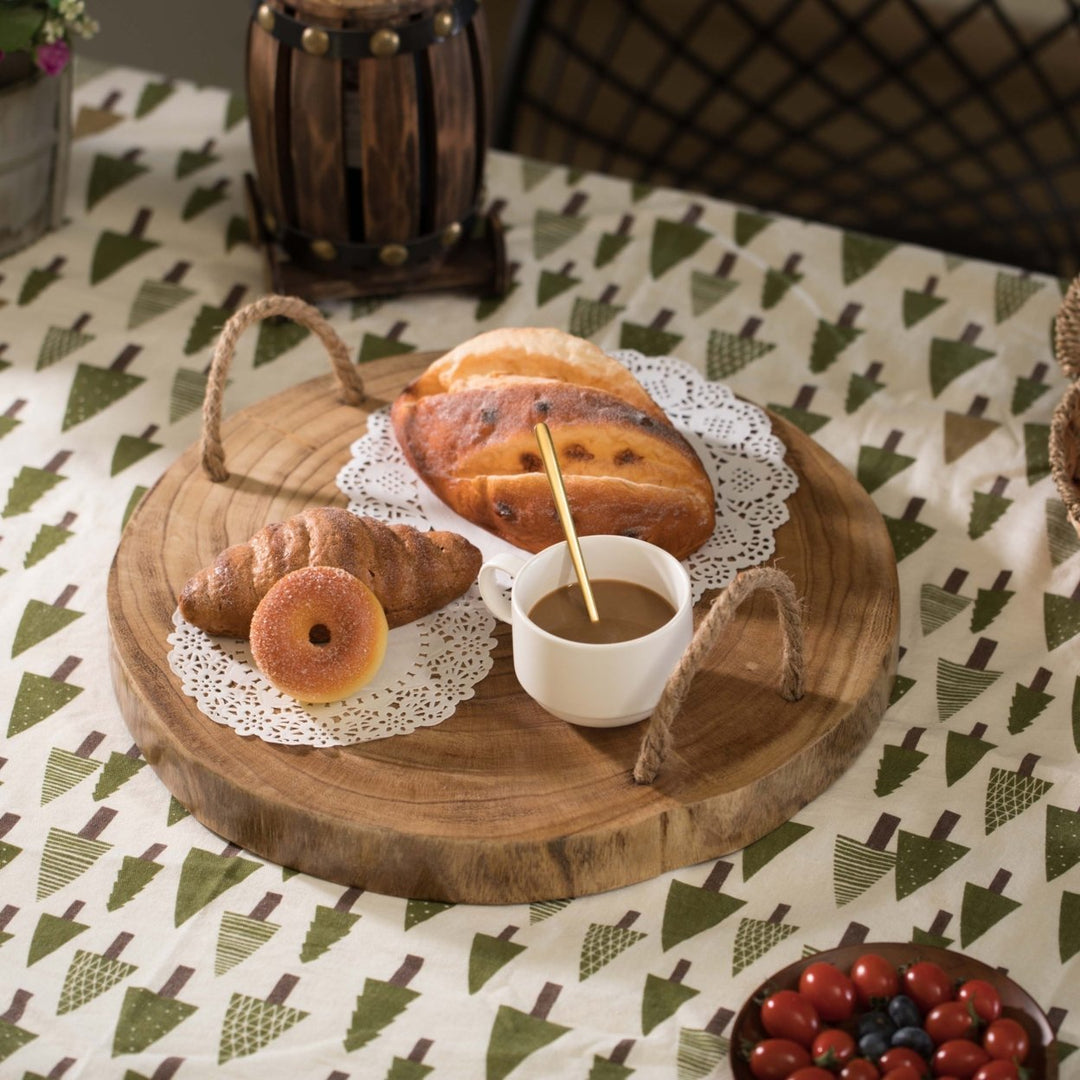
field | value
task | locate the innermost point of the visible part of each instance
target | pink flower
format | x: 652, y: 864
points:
x: 53, y: 58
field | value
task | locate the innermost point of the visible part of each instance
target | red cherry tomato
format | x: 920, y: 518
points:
x: 959, y: 1057
x: 951, y: 1020
x: 998, y: 1070
x: 859, y: 1069
x: 898, y: 1056
x: 875, y: 979
x: 777, y: 1059
x: 788, y: 1015
x: 984, y: 998
x: 812, y: 1072
x: 904, y: 1072
x: 831, y: 991
x: 927, y: 984
x: 1006, y: 1038
x: 832, y: 1048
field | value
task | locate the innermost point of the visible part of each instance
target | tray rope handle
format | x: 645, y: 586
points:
x: 657, y: 740
x: 1065, y: 423
x: 266, y: 307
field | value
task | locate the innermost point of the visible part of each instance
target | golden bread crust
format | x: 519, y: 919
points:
x: 466, y: 426
x: 532, y: 352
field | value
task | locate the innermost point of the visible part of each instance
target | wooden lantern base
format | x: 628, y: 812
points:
x: 477, y: 262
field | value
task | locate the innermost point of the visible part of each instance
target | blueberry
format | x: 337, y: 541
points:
x: 904, y: 1012
x: 873, y: 1044
x: 916, y: 1039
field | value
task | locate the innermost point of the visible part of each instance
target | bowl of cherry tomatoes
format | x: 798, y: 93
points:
x: 891, y: 1011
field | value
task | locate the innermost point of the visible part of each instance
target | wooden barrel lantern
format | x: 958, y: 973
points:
x: 369, y: 126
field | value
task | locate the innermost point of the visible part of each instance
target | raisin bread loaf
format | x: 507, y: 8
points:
x: 466, y: 427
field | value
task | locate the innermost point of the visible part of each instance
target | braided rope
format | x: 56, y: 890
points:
x: 352, y: 386
x: 1065, y: 423
x: 657, y: 739
x: 1067, y: 332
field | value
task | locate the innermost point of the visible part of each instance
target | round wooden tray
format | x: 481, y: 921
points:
x: 503, y: 803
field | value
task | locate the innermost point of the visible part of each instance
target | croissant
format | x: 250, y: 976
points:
x: 466, y: 426
x: 411, y: 572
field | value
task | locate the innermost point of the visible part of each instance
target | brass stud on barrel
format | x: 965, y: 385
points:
x: 265, y: 17
x: 323, y: 249
x: 315, y: 42
x: 393, y: 254
x: 451, y: 234
x: 443, y: 23
x: 384, y: 43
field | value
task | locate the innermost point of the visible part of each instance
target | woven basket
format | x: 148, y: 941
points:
x: 1065, y: 424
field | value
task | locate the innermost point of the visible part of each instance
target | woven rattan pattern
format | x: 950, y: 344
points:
x: 954, y: 123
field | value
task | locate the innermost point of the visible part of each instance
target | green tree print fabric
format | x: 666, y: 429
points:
x: 136, y: 943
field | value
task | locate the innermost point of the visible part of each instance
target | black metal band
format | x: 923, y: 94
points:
x: 353, y: 44
x: 312, y: 251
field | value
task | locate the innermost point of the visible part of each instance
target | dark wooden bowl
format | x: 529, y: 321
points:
x: 1015, y: 1001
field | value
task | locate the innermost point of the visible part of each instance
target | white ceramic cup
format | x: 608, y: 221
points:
x: 603, y: 685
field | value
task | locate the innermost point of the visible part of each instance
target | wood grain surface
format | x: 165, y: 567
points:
x: 501, y: 802
x: 315, y: 143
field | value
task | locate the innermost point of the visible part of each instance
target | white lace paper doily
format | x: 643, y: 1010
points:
x: 431, y: 665
x: 436, y: 662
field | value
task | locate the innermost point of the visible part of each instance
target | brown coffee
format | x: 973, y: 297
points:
x: 627, y: 611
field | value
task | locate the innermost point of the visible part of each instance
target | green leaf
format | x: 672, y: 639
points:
x: 19, y: 26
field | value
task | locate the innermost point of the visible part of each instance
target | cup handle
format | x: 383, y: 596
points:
x: 492, y: 592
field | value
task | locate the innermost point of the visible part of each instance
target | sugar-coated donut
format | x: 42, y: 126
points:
x: 319, y: 634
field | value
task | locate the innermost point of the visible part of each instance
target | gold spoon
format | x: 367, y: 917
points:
x: 554, y: 475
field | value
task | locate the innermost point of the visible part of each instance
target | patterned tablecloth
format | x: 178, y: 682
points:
x: 135, y: 943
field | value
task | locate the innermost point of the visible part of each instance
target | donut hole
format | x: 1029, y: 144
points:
x: 319, y: 634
